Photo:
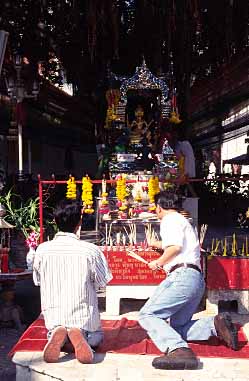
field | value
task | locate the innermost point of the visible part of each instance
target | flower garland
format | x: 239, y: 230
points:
x: 121, y: 192
x: 104, y: 202
x: 87, y: 195
x: 153, y: 189
x: 71, y: 189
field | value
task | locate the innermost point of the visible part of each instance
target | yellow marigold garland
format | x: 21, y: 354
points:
x: 71, y: 189
x: 121, y: 192
x: 87, y: 195
x: 153, y: 189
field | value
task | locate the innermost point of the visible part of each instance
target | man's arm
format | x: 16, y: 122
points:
x: 169, y: 253
x: 102, y: 273
x: 36, y: 269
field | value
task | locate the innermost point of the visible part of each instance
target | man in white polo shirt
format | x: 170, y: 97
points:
x: 178, y: 296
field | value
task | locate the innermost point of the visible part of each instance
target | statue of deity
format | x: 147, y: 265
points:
x: 139, y: 128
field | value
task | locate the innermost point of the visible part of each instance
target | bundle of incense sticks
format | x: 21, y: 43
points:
x: 118, y: 238
x: 109, y: 240
x: 150, y: 234
x: 203, y: 231
x: 132, y: 236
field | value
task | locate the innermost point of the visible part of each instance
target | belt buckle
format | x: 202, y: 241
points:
x: 185, y: 265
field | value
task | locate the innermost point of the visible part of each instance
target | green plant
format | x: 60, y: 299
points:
x: 23, y: 215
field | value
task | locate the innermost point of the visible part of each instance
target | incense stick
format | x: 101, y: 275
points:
x: 136, y: 256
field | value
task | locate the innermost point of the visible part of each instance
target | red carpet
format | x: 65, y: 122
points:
x: 126, y: 336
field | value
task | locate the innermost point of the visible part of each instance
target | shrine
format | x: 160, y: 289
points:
x: 124, y: 189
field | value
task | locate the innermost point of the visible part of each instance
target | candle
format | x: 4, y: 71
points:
x: 212, y: 248
x: 225, y: 248
x: 234, y: 246
x: 243, y: 249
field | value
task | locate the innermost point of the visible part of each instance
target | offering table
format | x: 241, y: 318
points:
x: 131, y: 278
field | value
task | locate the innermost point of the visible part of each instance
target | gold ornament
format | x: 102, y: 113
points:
x: 174, y: 118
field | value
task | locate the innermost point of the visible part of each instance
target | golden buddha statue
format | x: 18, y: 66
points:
x: 139, y: 128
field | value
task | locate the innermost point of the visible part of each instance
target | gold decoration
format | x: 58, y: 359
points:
x: 175, y: 118
x: 112, y: 97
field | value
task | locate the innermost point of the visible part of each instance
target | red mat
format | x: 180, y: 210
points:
x: 126, y: 336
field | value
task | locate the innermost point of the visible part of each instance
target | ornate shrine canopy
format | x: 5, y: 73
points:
x: 79, y: 39
x: 144, y: 79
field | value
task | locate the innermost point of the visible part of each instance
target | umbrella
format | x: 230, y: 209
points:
x: 241, y: 160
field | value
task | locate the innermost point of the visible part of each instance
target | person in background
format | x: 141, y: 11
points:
x: 184, y: 153
x: 182, y: 149
x: 179, y: 295
x: 68, y: 272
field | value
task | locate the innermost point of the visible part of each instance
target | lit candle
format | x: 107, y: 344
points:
x: 212, y: 248
x: 225, y: 248
x: 234, y: 246
x: 243, y: 249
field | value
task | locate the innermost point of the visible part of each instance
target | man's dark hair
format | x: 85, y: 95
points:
x: 67, y: 215
x: 167, y: 200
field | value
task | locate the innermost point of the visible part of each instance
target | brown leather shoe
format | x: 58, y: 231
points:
x: 180, y: 358
x: 82, y: 349
x: 52, y: 349
x: 226, y: 330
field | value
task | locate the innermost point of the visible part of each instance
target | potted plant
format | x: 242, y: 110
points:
x: 24, y: 216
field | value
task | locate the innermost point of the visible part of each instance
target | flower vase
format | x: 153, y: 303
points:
x: 30, y: 258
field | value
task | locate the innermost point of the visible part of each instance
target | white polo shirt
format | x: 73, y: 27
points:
x: 176, y: 230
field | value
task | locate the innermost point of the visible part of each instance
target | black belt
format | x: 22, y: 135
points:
x: 190, y: 265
